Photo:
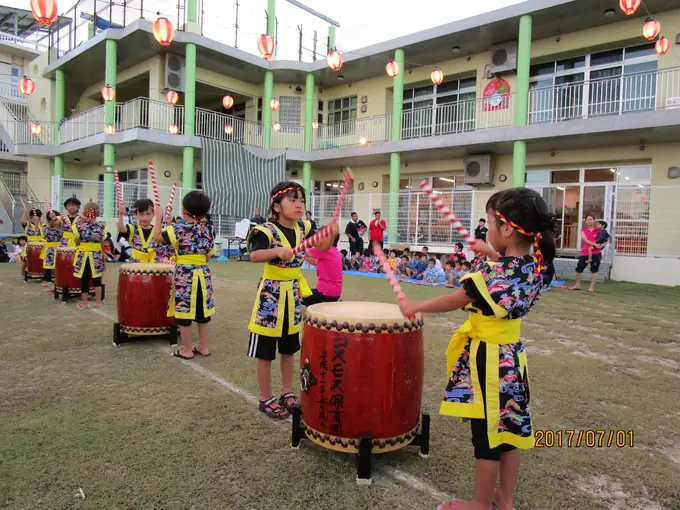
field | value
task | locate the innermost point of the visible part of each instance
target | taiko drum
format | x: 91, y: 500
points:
x: 34, y: 264
x: 64, y: 280
x: 143, y: 296
x: 361, y: 375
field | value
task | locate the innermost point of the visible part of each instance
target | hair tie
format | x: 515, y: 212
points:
x: 537, y: 254
x: 285, y: 190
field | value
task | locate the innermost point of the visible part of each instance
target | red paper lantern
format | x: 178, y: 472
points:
x: 174, y: 129
x: 629, y: 7
x: 335, y: 60
x: 172, y: 97
x: 163, y: 31
x: 392, y: 69
x: 45, y: 11
x: 274, y: 104
x: 651, y: 29
x: 662, y: 46
x: 228, y: 129
x: 315, y: 124
x: 228, y: 102
x: 26, y: 86
x: 437, y: 76
x: 266, y: 45
x: 36, y: 129
x: 277, y: 126
x: 363, y: 140
x: 108, y: 93
x: 110, y: 130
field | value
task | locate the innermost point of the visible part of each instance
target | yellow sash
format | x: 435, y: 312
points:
x: 43, y: 253
x: 68, y: 235
x: 147, y: 257
x: 35, y: 239
x: 190, y: 260
x: 87, y: 248
x: 280, y: 274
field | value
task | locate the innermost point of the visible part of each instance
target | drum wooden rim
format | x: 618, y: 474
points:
x: 144, y: 268
x: 66, y: 249
x: 36, y: 243
x: 347, y: 445
x: 360, y: 317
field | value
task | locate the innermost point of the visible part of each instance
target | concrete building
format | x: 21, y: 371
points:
x: 565, y: 96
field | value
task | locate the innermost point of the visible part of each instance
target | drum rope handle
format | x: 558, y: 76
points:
x: 443, y: 208
x: 401, y: 297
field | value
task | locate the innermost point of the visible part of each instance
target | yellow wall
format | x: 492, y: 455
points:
x: 43, y: 111
x: 39, y: 176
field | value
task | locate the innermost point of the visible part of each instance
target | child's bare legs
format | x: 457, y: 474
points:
x: 593, y: 282
x: 187, y: 347
x: 264, y: 378
x: 203, y: 339
x: 590, y: 254
x: 486, y: 474
x: 97, y: 297
x: 83, y: 300
x: 577, y: 285
x: 287, y: 361
x: 508, y: 482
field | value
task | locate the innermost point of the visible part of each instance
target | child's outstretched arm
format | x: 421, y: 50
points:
x: 446, y: 303
x: 157, y: 233
x: 271, y: 254
x: 325, y: 243
x: 122, y: 228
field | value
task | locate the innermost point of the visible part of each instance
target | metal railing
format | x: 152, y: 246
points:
x: 288, y: 137
x: 228, y: 128
x: 34, y: 45
x: 10, y: 90
x: 617, y: 95
x: 7, y: 201
x: 374, y: 129
x: 82, y: 125
x: 149, y: 114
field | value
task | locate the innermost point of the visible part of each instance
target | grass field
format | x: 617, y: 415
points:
x: 135, y: 428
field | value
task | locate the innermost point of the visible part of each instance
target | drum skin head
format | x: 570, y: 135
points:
x: 146, y: 268
x: 356, y: 311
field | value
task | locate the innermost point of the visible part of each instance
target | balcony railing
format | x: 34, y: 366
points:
x: 148, y: 114
x: 10, y: 90
x: 24, y: 43
x: 617, y: 95
x: 216, y: 125
x: 82, y: 125
x: 377, y: 128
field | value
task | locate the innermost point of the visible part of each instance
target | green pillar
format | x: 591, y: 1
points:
x: 331, y: 38
x: 59, y: 113
x: 309, y: 132
x: 519, y: 154
x: 192, y: 11
x: 91, y: 30
x: 269, y: 81
x: 110, y: 119
x: 188, y: 174
x: 395, y: 157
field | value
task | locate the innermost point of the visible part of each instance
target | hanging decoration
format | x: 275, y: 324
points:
x: 335, y: 60
x: 363, y: 140
x: 172, y: 97
x: 266, y: 45
x: 315, y: 124
x: 36, y: 129
x: 277, y: 126
x: 163, y: 31
x: 496, y: 95
x: 274, y: 104
x: 174, y: 129
x: 228, y: 102
x: 651, y: 29
x: 26, y: 86
x: 437, y: 76
x: 662, y: 46
x: 392, y: 69
x: 110, y: 130
x: 45, y: 11
x: 629, y: 7
x: 228, y: 129
x: 108, y: 93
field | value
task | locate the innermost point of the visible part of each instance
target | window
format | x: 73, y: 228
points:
x: 290, y: 113
x: 259, y: 109
x: 444, y: 182
x: 342, y: 110
x: 199, y: 180
x: 319, y: 114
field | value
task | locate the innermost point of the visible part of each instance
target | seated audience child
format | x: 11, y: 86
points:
x: 458, y: 252
x: 367, y: 264
x: 431, y: 274
x: 346, y: 265
x: 393, y: 261
x: 602, y: 237
x: 421, y: 267
x: 449, y: 275
x: 356, y: 261
x: 404, y: 267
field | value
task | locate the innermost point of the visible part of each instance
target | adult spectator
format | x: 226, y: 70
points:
x: 377, y: 229
x: 311, y: 221
x: 588, y: 238
x: 257, y: 218
x: 481, y: 230
x: 354, y: 230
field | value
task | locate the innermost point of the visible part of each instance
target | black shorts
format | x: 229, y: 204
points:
x: 318, y: 297
x: 594, y: 265
x: 480, y: 438
x: 264, y: 347
x: 200, y: 318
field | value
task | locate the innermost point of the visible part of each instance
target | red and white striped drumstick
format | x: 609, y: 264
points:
x: 65, y: 219
x: 401, y: 297
x: 119, y: 189
x: 325, y: 232
x: 32, y: 204
x: 168, y: 210
x: 443, y: 208
x: 48, y: 207
x: 349, y: 178
x: 154, y: 185
x: 23, y: 204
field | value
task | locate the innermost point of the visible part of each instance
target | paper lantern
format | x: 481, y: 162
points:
x: 174, y: 129
x: 335, y: 60
x: 228, y: 129
x: 651, y: 29
x: 277, y: 126
x: 266, y: 45
x: 437, y: 76
x: 629, y: 7
x: 662, y: 46
x: 392, y: 69
x: 108, y: 93
x: 172, y: 97
x: 228, y: 102
x: 274, y: 104
x: 45, y: 11
x: 110, y: 130
x: 26, y: 86
x: 163, y: 31
x: 315, y: 124
x: 363, y: 140
x: 36, y: 129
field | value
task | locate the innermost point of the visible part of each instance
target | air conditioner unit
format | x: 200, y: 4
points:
x: 503, y: 58
x: 479, y: 169
x: 175, y: 70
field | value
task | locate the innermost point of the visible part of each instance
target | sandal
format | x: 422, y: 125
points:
x: 178, y: 354
x: 268, y: 407
x: 81, y: 306
x: 283, y: 401
x: 196, y: 351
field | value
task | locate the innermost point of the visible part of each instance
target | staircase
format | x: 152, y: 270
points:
x: 14, y: 189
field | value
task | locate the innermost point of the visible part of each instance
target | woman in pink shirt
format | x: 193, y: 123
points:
x: 328, y: 272
x: 588, y: 237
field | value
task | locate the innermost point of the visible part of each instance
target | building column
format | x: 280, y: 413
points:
x: 188, y: 173
x: 519, y: 153
x: 59, y: 113
x: 309, y: 119
x: 269, y: 80
x: 395, y: 157
x: 110, y: 119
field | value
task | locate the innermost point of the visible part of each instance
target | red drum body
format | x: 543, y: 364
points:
x: 143, y: 296
x: 361, y: 374
x: 64, y: 279
x: 34, y: 264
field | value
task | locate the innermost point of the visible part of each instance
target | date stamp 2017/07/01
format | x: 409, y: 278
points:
x: 591, y: 438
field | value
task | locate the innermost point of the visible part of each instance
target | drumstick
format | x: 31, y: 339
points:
x: 154, y: 185
x: 325, y: 232
x: 443, y: 208
x: 119, y: 189
x: 168, y: 210
x: 65, y: 219
x: 401, y: 297
x: 48, y: 207
x: 349, y: 178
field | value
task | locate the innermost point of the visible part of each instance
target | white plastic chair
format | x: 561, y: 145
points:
x: 241, y: 230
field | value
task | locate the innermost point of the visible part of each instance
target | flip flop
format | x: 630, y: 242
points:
x: 196, y: 351
x: 178, y: 354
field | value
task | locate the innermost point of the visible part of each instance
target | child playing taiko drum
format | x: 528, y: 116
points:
x: 192, y: 298
x: 140, y: 236
x: 277, y: 314
x: 72, y: 206
x: 32, y: 229
x: 89, y: 263
x: 486, y: 361
x: 52, y: 233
